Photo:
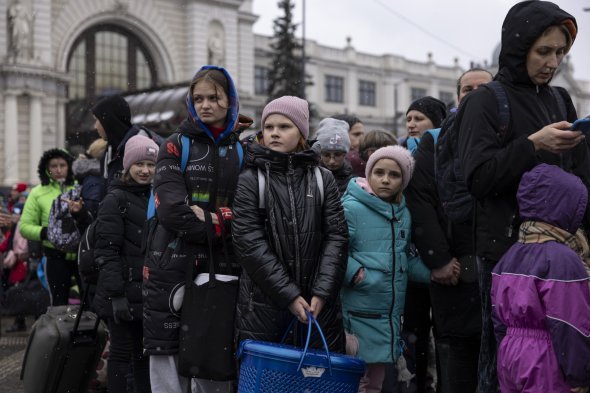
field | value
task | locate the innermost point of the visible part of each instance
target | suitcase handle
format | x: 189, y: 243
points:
x: 311, y: 320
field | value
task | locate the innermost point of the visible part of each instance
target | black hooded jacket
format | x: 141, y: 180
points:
x: 179, y: 238
x: 296, y: 246
x: 118, y: 247
x: 493, y: 164
x: 115, y: 117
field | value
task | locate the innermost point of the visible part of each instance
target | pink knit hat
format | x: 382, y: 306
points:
x: 402, y: 156
x: 295, y: 108
x: 139, y: 148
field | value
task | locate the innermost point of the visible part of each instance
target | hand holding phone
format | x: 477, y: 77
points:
x: 582, y: 125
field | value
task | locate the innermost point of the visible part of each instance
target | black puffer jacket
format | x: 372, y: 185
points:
x: 295, y: 246
x: 119, y: 234
x: 179, y: 238
x: 493, y: 165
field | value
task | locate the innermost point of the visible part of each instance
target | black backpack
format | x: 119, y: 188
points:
x: 455, y: 198
x: 87, y: 264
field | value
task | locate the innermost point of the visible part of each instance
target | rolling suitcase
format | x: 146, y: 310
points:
x: 63, y: 350
x: 271, y: 367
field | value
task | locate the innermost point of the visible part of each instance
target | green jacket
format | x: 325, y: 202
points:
x: 35, y: 213
x: 379, y: 241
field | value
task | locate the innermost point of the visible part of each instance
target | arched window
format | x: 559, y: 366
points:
x: 108, y: 59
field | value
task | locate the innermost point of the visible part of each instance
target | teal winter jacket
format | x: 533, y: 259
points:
x: 379, y: 241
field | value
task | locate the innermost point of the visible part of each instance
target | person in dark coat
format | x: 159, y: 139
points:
x: 118, y: 250
x: 113, y: 124
x: 536, y: 35
x: 294, y: 250
x: 442, y: 243
x: 540, y: 289
x: 423, y: 114
x: 207, y: 186
x: 332, y: 144
x: 356, y: 133
x: 87, y: 173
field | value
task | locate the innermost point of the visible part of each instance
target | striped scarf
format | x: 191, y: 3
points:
x: 541, y: 232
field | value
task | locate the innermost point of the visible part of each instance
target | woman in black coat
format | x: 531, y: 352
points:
x: 118, y: 250
x: 294, y: 249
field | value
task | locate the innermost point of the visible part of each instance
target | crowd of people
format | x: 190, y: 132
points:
x: 454, y: 259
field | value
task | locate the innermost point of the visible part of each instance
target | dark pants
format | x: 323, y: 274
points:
x: 488, y: 379
x: 458, y: 357
x: 59, y: 273
x: 416, y: 332
x: 126, y: 353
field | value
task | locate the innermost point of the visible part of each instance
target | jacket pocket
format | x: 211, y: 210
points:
x: 366, y: 315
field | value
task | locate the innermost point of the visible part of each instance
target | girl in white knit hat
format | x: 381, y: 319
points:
x: 378, y: 268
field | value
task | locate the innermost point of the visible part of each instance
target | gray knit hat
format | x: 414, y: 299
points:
x: 332, y: 135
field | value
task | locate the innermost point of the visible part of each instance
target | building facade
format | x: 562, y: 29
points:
x: 57, y: 57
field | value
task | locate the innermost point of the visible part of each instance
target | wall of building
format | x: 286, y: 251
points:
x: 33, y: 90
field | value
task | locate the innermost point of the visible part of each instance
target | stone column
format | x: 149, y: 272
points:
x: 35, y: 137
x: 11, y: 132
x: 60, y: 127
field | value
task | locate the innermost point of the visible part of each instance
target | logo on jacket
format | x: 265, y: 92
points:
x: 172, y: 149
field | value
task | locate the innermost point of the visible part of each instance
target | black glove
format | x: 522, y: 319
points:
x: 121, y: 309
x: 44, y: 233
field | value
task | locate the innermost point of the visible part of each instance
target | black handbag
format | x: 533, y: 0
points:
x: 206, y: 342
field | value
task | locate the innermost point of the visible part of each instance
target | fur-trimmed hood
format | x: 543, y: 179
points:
x: 83, y: 167
x: 44, y: 161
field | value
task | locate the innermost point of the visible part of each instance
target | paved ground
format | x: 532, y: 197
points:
x: 12, y: 349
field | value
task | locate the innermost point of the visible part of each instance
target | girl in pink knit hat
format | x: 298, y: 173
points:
x: 118, y: 239
x: 378, y: 266
x: 289, y: 232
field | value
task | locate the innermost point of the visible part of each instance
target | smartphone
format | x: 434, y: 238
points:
x: 581, y: 125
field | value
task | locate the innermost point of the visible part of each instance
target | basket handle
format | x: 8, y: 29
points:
x: 310, y: 320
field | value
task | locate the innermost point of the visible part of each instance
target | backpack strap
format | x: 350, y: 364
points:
x: 185, y: 144
x: 320, y: 180
x: 560, y: 102
x: 262, y: 185
x: 503, y: 107
x: 240, y: 150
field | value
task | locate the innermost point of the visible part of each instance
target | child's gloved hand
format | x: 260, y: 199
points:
x: 121, y: 309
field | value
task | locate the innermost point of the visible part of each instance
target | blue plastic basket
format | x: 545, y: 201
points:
x: 280, y: 368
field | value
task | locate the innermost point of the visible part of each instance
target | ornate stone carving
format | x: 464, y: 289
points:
x: 20, y: 24
x: 216, y: 44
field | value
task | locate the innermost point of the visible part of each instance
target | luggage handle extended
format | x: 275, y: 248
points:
x: 310, y: 320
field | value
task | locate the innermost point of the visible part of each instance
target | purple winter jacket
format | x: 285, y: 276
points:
x: 540, y: 293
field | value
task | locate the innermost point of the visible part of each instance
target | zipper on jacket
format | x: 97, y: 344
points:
x: 213, y: 194
x: 394, y: 268
x: 251, y: 300
x: 510, y: 228
x: 295, y: 223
